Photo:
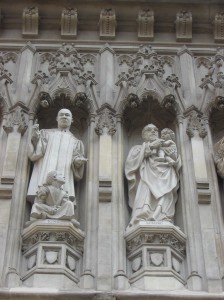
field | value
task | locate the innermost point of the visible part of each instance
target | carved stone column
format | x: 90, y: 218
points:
x: 105, y: 128
x: 15, y: 174
x: 196, y: 130
x: 15, y: 126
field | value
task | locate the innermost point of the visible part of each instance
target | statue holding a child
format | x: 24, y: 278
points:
x: 152, y: 171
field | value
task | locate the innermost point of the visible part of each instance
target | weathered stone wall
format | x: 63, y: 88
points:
x: 117, y: 68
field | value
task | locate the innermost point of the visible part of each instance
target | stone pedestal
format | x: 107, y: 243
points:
x: 52, y: 254
x: 155, y: 252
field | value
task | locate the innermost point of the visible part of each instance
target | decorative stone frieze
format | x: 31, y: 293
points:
x: 184, y: 26
x: 30, y: 21
x: 107, y: 23
x: 69, y: 22
x: 155, y: 250
x: 146, y: 25
x: 219, y: 27
x: 196, y: 123
x: 52, y: 247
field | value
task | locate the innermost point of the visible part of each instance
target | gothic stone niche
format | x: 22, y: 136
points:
x: 155, y: 252
x: 52, y: 254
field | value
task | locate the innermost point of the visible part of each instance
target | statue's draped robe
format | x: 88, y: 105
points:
x: 152, y: 185
x: 54, y: 205
x: 55, y: 150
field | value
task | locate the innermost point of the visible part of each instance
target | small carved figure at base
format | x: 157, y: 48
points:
x: 52, y: 202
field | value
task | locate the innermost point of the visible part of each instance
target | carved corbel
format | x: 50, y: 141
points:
x: 30, y: 21
x: 218, y: 27
x: 184, y: 26
x: 16, y: 121
x: 15, y: 125
x: 107, y: 23
x: 69, y: 23
x: 196, y: 123
x: 106, y: 122
x: 146, y: 25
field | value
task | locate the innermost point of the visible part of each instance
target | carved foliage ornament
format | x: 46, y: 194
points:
x: 16, y: 120
x: 106, y: 122
x: 151, y: 238
x: 196, y: 123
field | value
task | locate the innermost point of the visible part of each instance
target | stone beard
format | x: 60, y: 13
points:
x: 56, y: 149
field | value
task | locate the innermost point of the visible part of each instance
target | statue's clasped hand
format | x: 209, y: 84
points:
x: 35, y: 133
x: 80, y: 161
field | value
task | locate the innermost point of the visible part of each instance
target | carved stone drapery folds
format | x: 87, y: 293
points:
x: 145, y: 25
x: 184, y: 26
x: 107, y: 23
x: 30, y: 21
x: 69, y: 23
x: 219, y: 27
x: 196, y: 123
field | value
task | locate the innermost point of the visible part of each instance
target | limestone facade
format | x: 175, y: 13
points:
x: 117, y: 66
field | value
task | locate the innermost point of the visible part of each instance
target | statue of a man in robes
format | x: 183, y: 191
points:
x: 152, y: 171
x: 56, y: 149
x: 52, y: 202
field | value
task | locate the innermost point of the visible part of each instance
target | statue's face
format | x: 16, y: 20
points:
x: 59, y: 178
x: 151, y: 133
x: 165, y: 135
x: 64, y: 119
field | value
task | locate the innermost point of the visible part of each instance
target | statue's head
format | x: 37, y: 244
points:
x: 55, y: 176
x: 64, y: 118
x: 150, y: 133
x: 167, y: 134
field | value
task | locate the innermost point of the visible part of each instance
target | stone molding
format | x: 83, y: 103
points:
x: 196, y: 123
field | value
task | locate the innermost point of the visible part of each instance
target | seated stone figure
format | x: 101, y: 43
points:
x: 52, y: 202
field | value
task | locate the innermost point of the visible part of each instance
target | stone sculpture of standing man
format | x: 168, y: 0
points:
x: 56, y: 149
x: 152, y: 171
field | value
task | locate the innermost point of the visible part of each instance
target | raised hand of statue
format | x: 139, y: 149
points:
x: 35, y: 134
x: 79, y: 161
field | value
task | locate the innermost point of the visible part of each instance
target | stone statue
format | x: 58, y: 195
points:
x: 52, y: 202
x: 56, y: 149
x: 152, y: 171
x: 219, y: 157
